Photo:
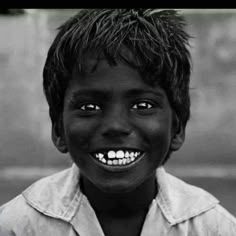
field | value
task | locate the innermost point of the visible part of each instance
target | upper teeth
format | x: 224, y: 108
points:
x: 117, y: 154
x: 120, y: 154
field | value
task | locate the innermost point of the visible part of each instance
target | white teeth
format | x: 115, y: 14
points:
x: 126, y: 154
x: 111, y: 154
x: 115, y: 162
x: 119, y: 157
x: 120, y: 154
x: 100, y: 156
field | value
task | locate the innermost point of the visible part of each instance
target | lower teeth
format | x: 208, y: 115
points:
x: 116, y: 162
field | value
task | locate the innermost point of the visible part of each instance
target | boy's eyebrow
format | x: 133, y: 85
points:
x: 106, y: 94
x: 88, y: 93
x: 138, y: 91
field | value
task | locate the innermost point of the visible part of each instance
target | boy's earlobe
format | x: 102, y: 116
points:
x: 58, y: 139
x: 178, y: 136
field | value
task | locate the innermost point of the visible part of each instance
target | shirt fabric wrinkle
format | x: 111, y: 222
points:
x: 177, y: 209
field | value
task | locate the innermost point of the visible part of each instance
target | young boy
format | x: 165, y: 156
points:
x: 117, y: 85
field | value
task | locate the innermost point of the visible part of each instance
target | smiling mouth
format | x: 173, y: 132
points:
x: 121, y: 157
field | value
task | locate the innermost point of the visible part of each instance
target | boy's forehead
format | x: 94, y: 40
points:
x: 107, y: 78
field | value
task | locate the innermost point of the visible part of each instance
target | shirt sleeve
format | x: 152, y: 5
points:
x: 14, y: 218
x: 226, y: 222
x: 214, y: 222
x: 5, y: 228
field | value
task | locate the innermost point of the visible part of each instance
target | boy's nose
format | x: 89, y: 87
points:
x: 116, y: 124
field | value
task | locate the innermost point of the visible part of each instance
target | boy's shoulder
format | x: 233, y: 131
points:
x: 43, y: 196
x: 180, y: 200
x: 183, y: 203
x: 16, y: 214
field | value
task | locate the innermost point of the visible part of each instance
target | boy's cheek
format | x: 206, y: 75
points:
x: 154, y: 128
x: 78, y: 135
x: 156, y: 136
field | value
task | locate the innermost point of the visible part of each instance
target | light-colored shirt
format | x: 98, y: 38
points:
x: 55, y: 206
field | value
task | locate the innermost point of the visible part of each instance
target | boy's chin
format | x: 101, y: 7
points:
x: 117, y: 188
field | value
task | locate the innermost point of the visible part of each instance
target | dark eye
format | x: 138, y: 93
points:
x: 90, y: 107
x: 142, y: 105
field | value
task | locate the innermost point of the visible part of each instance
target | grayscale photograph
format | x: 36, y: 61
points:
x: 117, y: 122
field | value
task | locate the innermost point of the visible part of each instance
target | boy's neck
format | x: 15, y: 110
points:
x: 121, y: 204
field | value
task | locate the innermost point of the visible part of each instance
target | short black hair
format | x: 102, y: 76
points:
x: 156, y: 39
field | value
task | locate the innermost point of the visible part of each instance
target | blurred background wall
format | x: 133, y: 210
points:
x: 207, y: 158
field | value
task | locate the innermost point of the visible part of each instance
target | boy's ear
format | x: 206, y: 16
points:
x: 58, y: 136
x: 178, y: 135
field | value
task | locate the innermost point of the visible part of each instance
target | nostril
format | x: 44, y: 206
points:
x: 116, y: 129
x: 114, y: 132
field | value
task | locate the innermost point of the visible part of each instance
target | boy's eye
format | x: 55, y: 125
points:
x: 142, y: 105
x: 90, y: 107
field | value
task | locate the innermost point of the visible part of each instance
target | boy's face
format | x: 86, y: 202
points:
x: 117, y: 128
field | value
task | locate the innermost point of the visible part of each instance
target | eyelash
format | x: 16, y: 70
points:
x: 135, y: 106
x: 94, y: 105
x: 148, y: 105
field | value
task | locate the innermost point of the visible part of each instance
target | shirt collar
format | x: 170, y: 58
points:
x: 180, y: 201
x: 59, y: 196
